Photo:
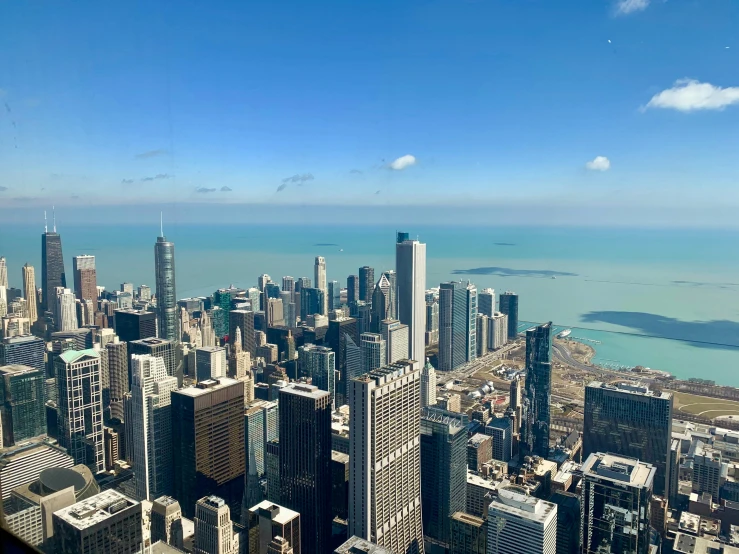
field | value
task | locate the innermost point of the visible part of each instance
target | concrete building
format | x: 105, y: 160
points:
x: 210, y: 362
x: 107, y: 523
x: 66, y: 310
x: 479, y: 451
x: 708, y: 469
x: 24, y: 350
x: 410, y: 266
x: 319, y: 273
x: 114, y: 361
x: 3, y: 272
x: 486, y: 302
x: 385, y: 457
x: 374, y: 351
x: 319, y: 362
x: 520, y: 523
x: 500, y: 429
x: 85, y: 278
x: 275, y: 312
x: 432, y: 323
x: 395, y: 335
x: 244, y: 320
x: 356, y: 545
x: 161, y: 348
x: 23, y: 464
x: 509, y: 307
x: 164, y: 267
x: 22, y: 404
x: 268, y: 520
x: 468, y: 534
x: 428, y: 385
x: 615, y: 504
x: 480, y: 492
x: 214, y: 532
x: 166, y: 522
x: 30, y: 293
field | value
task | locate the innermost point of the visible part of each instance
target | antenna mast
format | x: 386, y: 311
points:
x: 161, y: 225
x: 53, y: 213
x: 46, y: 223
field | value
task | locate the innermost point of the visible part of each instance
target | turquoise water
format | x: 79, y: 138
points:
x: 668, y: 283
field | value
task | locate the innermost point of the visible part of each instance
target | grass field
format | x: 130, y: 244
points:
x: 704, y: 406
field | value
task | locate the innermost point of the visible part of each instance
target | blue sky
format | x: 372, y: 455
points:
x: 494, y: 102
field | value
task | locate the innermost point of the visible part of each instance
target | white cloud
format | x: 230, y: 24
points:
x: 599, y: 163
x: 688, y: 95
x: 403, y: 162
x: 625, y: 7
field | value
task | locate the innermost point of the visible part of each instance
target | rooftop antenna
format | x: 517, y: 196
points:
x: 53, y: 213
x: 161, y: 224
x: 46, y: 223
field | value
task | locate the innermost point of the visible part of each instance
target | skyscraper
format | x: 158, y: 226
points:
x: 210, y: 460
x: 352, y: 289
x: 535, y: 423
x: 52, y: 267
x: 164, y: 267
x: 410, y: 265
x: 428, y: 385
x: 243, y: 319
x: 320, y: 363
x: 334, y: 295
x: 486, y: 302
x: 161, y: 348
x: 381, y: 303
x: 78, y: 378
x: 366, y: 283
x: 497, y: 331
x: 22, y: 399
x: 520, y: 523
x: 29, y: 293
x: 509, y: 306
x: 632, y: 420
x: 468, y: 534
x: 385, y: 458
x: 3, y: 272
x: 275, y: 312
x: 66, y: 310
x: 443, y: 474
x: 114, y: 358
x: 482, y: 335
x: 23, y: 350
x: 305, y: 462
x: 268, y: 520
x: 516, y: 401
x: 615, y: 504
x: 395, y: 335
x: 319, y: 272
x: 392, y: 278
x: 288, y: 285
x: 457, y: 324
x: 214, y: 533
x: 166, y: 522
x: 374, y: 351
x: 149, y: 425
x: 133, y: 325
x: 85, y: 277
x: 311, y: 302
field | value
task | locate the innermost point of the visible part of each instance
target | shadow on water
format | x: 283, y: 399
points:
x: 510, y: 272
x: 720, y: 334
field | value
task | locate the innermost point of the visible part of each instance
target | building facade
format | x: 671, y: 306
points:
x: 22, y: 403
x: 520, y: 523
x: 509, y: 307
x: 410, y: 266
x: 164, y: 268
x: 537, y: 401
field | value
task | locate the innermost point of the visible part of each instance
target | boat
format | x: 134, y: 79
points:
x: 564, y: 334
x: 554, y: 276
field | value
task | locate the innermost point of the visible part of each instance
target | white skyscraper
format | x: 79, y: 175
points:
x: 520, y: 523
x: 410, y: 265
x: 210, y: 362
x: 3, y: 273
x: 66, y: 310
x: 385, y: 458
x: 148, y: 415
x: 320, y: 363
x: 374, y: 351
x: 214, y: 532
x: 29, y: 292
x: 319, y: 272
x: 428, y: 385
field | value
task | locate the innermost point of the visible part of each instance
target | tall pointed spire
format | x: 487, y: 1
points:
x: 46, y: 223
x: 161, y: 224
x: 53, y: 213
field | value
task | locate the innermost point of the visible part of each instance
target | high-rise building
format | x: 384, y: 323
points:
x: 385, y: 457
x: 52, y: 267
x: 497, y: 331
x: 432, y: 323
x: 3, y: 272
x: 114, y: 360
x: 23, y: 350
x: 357, y: 545
x: 244, y: 320
x: 374, y: 351
x: 352, y: 289
x: 708, y: 467
x: 149, y: 426
x: 382, y: 299
x: 319, y: 362
x: 161, y: 348
x: 568, y: 521
x: 210, y: 362
x: 443, y: 474
x: 468, y: 534
x: 208, y: 452
x: 268, y: 520
x: 537, y: 403
x: 516, y: 401
x: 305, y: 462
x: 85, y: 277
x: 520, y: 523
x: 311, y: 302
x: 392, y: 278
x: 164, y: 266
x: 410, y: 266
x: 288, y: 285
x: 500, y: 429
x: 632, y: 420
x: 366, y: 283
x: 479, y: 451
x: 80, y: 403
x: 509, y: 306
x: 319, y: 273
x: 214, y: 532
x: 334, y: 295
x: 275, y: 312
x: 395, y: 335
x: 66, y: 310
x: 166, y: 522
x: 133, y: 325
x: 486, y: 302
x: 22, y: 403
x: 428, y: 385
x: 106, y: 523
x: 30, y: 293
x: 616, y: 491
x: 280, y: 546
x: 457, y: 324
x: 262, y: 281
x: 144, y: 293
x: 482, y: 334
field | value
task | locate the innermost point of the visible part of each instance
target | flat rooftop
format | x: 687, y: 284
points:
x: 631, y: 388
x: 516, y: 501
x: 619, y: 469
x: 95, y: 509
x: 307, y: 391
x: 274, y: 512
x: 205, y: 387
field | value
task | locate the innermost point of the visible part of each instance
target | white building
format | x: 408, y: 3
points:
x: 214, y: 532
x: 66, y: 310
x: 520, y: 523
x: 497, y: 331
x: 320, y: 363
x: 385, y: 457
x: 428, y: 385
x: 320, y: 280
x: 374, y: 351
x: 210, y: 362
x: 395, y: 335
x: 410, y: 265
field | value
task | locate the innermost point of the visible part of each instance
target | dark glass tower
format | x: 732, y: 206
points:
x: 509, y: 306
x: 167, y: 314
x: 457, y: 324
x: 366, y: 283
x: 535, y: 424
x: 52, y: 266
x: 305, y: 462
x: 311, y: 302
x: 22, y: 401
x: 23, y: 350
x: 352, y: 289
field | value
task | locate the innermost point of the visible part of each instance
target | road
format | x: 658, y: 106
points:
x: 562, y: 354
x: 469, y: 369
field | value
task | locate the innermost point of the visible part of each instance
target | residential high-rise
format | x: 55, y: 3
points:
x: 114, y: 360
x: 497, y: 331
x: 311, y: 302
x: 468, y: 534
x: 708, y: 468
x: 366, y: 283
x: 23, y: 350
x: 392, y: 278
x: 22, y: 403
x: 457, y: 324
x: 395, y: 335
x: 500, y: 429
x: 3, y: 272
x: 208, y: 452
x: 164, y: 266
x: 382, y: 299
x: 632, y: 420
x: 486, y: 302
x: 516, y: 401
x: 80, y: 407
x: 133, y: 325
x: 149, y: 426
x: 432, y: 323
x: 275, y: 312
x: 509, y: 306
x: 305, y: 462
x: 268, y: 520
x: 385, y: 457
x: 85, y: 277
x: 244, y: 320
x: 66, y: 310
x: 334, y: 295
x: 52, y: 267
x: 161, y: 348
x: 520, y: 523
x: 319, y: 362
x: 537, y: 403
x: 210, y: 362
x: 615, y: 507
x: 214, y: 532
x: 443, y: 474
x: 482, y: 334
x: 288, y: 285
x: 30, y: 293
x: 106, y: 523
x: 352, y: 289
x: 319, y: 273
x: 428, y: 385
x: 410, y: 266
x: 166, y: 522
x: 374, y: 351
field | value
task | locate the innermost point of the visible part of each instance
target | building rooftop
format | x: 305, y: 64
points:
x: 477, y: 439
x: 515, y: 500
x: 468, y: 519
x: 274, y: 512
x: 474, y: 479
x: 355, y: 545
x: 690, y: 544
x: 16, y: 369
x: 632, y: 388
x: 160, y: 547
x: 619, y: 469
x: 72, y: 356
x: 151, y: 341
x: 96, y: 509
x: 307, y: 391
x: 205, y: 387
x: 339, y: 457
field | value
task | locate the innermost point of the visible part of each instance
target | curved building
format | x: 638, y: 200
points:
x: 165, y: 289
